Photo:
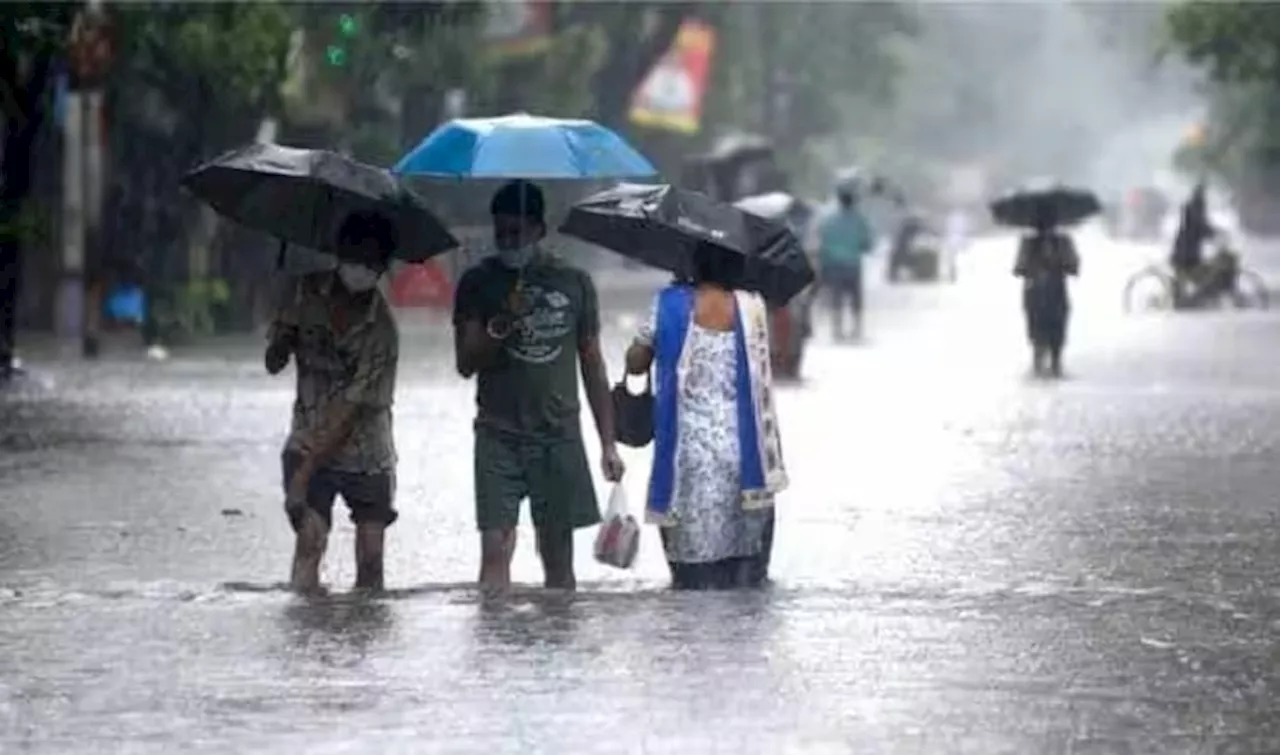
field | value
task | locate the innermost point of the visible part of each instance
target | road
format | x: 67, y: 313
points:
x: 969, y: 560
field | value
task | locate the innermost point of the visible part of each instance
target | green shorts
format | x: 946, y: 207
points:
x: 553, y: 474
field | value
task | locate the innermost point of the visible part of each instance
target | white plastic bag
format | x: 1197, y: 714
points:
x: 618, y: 539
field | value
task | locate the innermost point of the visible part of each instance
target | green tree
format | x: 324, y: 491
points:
x: 190, y: 81
x: 1236, y: 42
x: 371, y: 77
x: 216, y: 68
x: 31, y: 41
x: 1238, y: 45
x: 634, y: 36
x: 805, y: 72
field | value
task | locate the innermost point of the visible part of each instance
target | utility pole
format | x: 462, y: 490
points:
x: 80, y: 301
x: 70, y: 310
x: 95, y: 184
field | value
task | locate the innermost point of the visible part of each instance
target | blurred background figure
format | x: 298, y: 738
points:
x: 955, y: 235
x: 1046, y: 257
x: 844, y: 238
x: 1194, y: 229
x: 918, y: 252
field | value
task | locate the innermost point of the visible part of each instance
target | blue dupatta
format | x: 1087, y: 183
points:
x: 674, y: 315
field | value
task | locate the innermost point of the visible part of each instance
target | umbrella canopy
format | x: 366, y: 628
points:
x: 663, y: 226
x: 775, y: 205
x: 1063, y: 205
x: 740, y: 146
x: 302, y: 196
x: 524, y: 146
x: 779, y: 205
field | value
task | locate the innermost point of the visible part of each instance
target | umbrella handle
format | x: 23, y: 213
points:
x: 280, y: 254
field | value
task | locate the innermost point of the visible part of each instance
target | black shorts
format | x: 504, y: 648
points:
x: 369, y: 497
x: 553, y: 474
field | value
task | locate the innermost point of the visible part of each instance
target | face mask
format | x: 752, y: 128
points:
x: 517, y: 258
x: 357, y: 278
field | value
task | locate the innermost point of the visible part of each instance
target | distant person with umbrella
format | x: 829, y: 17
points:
x: 526, y: 323
x: 1045, y: 258
x: 844, y: 238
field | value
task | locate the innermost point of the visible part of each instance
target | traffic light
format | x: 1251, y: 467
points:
x: 348, y: 27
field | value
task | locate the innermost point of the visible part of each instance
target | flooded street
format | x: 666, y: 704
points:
x: 968, y: 560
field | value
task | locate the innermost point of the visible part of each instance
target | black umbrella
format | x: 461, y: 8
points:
x: 777, y: 205
x: 1063, y: 205
x: 662, y: 226
x: 302, y: 196
x: 740, y: 146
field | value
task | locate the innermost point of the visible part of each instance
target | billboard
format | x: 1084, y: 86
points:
x: 671, y: 96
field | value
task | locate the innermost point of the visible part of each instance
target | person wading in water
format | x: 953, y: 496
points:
x: 1045, y: 258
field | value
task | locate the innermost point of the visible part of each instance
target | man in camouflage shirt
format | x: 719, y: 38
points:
x: 340, y: 332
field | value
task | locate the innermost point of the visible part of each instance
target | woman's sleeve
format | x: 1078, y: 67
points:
x: 645, y: 334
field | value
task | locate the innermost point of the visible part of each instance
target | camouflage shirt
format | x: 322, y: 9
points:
x: 352, y: 361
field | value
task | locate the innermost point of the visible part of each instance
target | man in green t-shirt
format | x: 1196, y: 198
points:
x: 525, y: 321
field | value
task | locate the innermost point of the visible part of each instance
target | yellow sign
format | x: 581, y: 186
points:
x: 671, y: 96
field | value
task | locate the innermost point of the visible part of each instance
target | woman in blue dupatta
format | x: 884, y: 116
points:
x: 717, y: 458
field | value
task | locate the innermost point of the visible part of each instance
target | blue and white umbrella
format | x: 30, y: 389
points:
x: 524, y: 146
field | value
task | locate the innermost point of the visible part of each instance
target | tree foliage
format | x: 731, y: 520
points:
x: 193, y: 79
x: 210, y: 64
x: 190, y: 80
x: 804, y: 72
x: 1238, y: 45
x: 31, y: 35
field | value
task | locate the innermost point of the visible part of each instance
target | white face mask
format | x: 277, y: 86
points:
x: 517, y: 258
x: 357, y: 278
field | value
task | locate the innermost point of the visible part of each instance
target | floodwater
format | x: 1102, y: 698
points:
x: 968, y: 561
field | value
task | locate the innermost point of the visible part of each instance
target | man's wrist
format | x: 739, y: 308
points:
x: 498, y: 327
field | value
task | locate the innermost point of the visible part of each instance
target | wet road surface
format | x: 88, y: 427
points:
x: 968, y: 560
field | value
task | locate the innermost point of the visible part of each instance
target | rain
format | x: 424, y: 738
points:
x: 929, y: 345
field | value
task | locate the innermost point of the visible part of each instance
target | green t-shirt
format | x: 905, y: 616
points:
x: 533, y: 389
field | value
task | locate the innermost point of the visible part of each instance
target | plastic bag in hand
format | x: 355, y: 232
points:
x: 619, y: 537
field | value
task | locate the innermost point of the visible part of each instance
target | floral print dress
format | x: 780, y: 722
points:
x: 710, y: 522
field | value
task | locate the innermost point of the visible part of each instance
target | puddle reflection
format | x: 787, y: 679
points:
x: 338, y: 630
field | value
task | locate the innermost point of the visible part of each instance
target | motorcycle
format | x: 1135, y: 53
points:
x: 920, y: 253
